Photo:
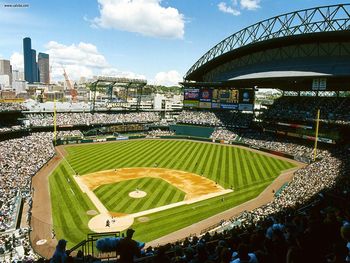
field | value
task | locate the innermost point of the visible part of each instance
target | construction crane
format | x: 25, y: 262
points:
x: 73, y: 92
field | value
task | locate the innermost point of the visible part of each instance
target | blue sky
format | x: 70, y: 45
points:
x: 154, y: 39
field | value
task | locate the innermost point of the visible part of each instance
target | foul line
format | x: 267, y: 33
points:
x: 64, y: 158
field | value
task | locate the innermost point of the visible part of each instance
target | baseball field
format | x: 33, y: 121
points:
x: 192, y: 180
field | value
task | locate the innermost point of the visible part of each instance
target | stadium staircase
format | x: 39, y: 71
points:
x: 89, y: 250
x: 91, y: 254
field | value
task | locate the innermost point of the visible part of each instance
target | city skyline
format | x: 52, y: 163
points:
x: 152, y: 39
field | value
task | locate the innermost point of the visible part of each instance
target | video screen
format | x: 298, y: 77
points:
x: 219, y: 98
x: 191, y: 94
x: 205, y: 95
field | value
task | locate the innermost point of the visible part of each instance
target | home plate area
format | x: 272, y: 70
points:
x: 106, y: 223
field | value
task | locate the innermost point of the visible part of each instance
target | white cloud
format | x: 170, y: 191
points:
x: 80, y: 60
x: 146, y: 17
x: 17, y: 61
x: 235, y: 9
x: 74, y: 72
x: 250, y: 4
x: 223, y: 7
x: 122, y: 74
x: 170, y: 78
x: 84, y: 54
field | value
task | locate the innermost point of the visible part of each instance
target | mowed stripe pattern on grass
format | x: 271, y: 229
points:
x: 69, y: 205
x: 231, y: 167
x: 115, y: 197
x: 248, y: 172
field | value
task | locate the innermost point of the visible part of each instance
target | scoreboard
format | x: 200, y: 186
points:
x: 219, y: 98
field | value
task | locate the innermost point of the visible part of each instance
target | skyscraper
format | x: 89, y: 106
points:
x: 28, y: 59
x: 35, y: 72
x: 30, y: 66
x: 44, y: 68
x: 6, y: 69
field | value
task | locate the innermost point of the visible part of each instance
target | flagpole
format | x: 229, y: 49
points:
x: 54, y: 121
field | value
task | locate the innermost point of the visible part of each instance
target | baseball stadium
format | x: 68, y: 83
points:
x: 228, y: 173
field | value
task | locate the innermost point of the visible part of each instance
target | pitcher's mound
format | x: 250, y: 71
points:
x: 137, y: 194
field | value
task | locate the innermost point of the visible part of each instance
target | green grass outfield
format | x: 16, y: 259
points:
x: 247, y: 172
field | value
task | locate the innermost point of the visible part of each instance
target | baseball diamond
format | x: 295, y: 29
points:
x: 110, y: 171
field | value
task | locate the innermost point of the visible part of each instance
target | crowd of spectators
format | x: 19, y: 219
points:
x: 223, y: 134
x: 158, y: 132
x: 199, y: 118
x: 235, y: 119
x: 218, y: 118
x: 332, y: 109
x: 11, y: 106
x: 70, y: 133
x: 20, y: 159
x: 280, y: 144
x: 11, y: 128
x: 46, y: 119
x: 15, y: 247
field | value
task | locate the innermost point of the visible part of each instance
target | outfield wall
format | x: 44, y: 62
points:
x: 190, y: 130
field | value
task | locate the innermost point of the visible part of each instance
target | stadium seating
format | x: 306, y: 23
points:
x: 291, y: 228
x: 305, y: 109
x: 216, y: 118
x: 46, y: 119
x: 8, y: 107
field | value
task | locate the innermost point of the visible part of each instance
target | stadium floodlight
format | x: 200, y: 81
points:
x: 109, y: 82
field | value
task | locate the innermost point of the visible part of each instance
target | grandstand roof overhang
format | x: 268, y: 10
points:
x: 319, y: 32
x: 326, y: 37
x: 285, y: 82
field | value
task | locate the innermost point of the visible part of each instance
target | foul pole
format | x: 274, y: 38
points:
x: 54, y: 122
x: 316, y: 133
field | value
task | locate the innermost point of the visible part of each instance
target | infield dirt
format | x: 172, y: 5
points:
x: 192, y: 184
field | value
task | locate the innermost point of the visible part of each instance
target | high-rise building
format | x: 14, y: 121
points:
x: 28, y: 60
x: 17, y: 75
x: 6, y: 69
x: 44, y: 68
x: 5, y: 73
x: 31, y: 73
x: 35, y: 72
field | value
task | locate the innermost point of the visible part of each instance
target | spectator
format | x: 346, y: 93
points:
x: 243, y: 256
x: 60, y: 255
x: 128, y: 248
